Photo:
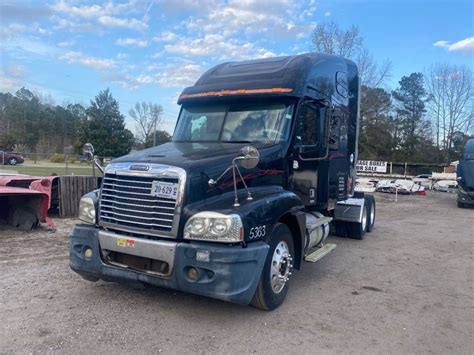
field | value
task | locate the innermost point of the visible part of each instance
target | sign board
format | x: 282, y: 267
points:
x: 371, y: 166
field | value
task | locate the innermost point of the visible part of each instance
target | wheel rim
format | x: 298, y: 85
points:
x: 12, y: 161
x: 280, y: 270
x: 364, y: 219
x: 372, y: 214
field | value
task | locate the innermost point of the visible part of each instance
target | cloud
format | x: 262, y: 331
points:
x: 127, y: 81
x: 442, y: 44
x: 104, y: 15
x: 215, y: 45
x: 87, y: 61
x: 179, y: 76
x: 465, y: 45
x: 95, y: 11
x: 133, y: 24
x: 166, y: 36
x: 327, y: 13
x: 271, y: 18
x: 11, y: 77
x: 19, y: 11
x: 132, y: 42
x: 65, y: 44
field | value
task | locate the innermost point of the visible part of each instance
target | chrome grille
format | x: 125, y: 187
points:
x: 126, y: 203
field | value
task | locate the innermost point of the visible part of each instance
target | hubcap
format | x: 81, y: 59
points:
x: 372, y: 214
x: 364, y: 219
x: 280, y: 270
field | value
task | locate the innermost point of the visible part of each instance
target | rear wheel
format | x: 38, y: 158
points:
x: 370, y: 205
x: 357, y: 230
x: 274, y: 281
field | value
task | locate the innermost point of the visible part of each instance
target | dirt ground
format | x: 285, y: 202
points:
x: 406, y: 288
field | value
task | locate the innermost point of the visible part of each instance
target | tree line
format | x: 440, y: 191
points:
x: 29, y: 125
x: 427, y: 118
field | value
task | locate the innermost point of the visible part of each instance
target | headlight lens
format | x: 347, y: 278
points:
x: 87, y: 210
x: 214, y: 226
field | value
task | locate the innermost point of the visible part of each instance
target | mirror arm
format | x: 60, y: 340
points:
x: 98, y: 165
x: 212, y: 182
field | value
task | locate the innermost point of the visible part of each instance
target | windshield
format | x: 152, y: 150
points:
x: 235, y: 123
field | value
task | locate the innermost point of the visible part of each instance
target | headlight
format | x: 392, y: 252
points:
x: 87, y: 210
x: 461, y: 190
x: 214, y: 226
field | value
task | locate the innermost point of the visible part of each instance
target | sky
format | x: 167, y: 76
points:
x: 149, y: 50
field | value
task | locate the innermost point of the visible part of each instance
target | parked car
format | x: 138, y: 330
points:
x: 423, y: 180
x: 10, y: 158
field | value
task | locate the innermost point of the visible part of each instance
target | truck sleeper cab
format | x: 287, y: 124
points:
x: 261, y: 163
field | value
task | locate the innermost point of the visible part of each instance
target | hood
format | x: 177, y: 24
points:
x: 203, y: 161
x: 195, y: 158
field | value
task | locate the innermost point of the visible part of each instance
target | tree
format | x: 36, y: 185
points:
x: 411, y: 97
x: 376, y: 140
x: 161, y: 137
x: 330, y: 38
x: 105, y: 127
x: 147, y: 119
x: 451, y: 92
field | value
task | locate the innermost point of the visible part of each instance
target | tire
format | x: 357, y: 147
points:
x: 461, y: 205
x: 12, y: 161
x: 268, y: 295
x: 357, y: 230
x: 371, y: 210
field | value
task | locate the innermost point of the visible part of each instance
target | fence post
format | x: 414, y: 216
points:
x: 391, y: 168
x: 405, y: 170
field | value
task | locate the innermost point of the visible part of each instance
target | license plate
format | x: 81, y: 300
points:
x: 164, y: 189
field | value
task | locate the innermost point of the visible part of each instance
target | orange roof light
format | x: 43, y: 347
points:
x: 236, y: 92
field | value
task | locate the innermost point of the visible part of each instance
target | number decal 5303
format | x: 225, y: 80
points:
x: 257, y: 232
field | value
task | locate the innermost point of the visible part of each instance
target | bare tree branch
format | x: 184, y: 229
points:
x: 147, y: 117
x: 329, y: 38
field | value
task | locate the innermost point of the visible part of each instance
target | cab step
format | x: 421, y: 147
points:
x: 320, y: 252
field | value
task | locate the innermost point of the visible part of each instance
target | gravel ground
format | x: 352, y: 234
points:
x: 406, y: 288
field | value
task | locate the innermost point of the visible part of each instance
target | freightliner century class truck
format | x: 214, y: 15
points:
x: 261, y: 164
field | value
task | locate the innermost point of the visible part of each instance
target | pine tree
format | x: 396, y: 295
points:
x: 105, y: 127
x: 411, y: 97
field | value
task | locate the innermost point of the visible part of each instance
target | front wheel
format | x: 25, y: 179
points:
x: 274, y: 281
x: 12, y: 161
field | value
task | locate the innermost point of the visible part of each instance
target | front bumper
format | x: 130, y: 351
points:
x: 464, y: 197
x: 232, y: 273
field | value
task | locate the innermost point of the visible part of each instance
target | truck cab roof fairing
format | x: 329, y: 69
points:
x: 263, y: 76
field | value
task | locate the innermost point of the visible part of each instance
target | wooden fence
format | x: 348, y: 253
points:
x: 71, y: 189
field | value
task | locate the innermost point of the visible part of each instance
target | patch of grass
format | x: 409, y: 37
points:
x: 47, y: 171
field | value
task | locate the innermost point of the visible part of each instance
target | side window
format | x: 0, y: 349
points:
x: 308, y: 127
x: 341, y: 83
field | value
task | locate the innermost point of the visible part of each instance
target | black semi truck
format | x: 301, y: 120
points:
x: 260, y: 167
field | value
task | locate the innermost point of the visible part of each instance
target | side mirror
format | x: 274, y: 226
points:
x: 250, y: 157
x: 88, y: 151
